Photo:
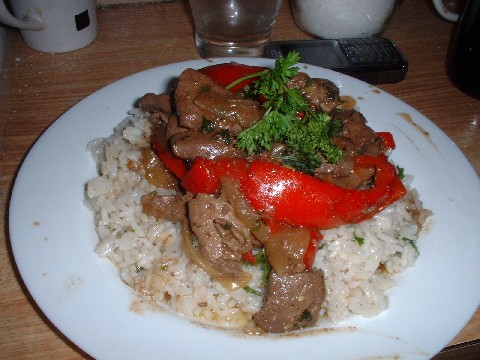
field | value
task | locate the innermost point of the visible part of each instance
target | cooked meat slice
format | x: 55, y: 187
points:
x: 362, y: 137
x: 286, y: 248
x: 346, y: 164
x: 235, y: 114
x: 191, y: 144
x: 168, y: 207
x: 373, y: 147
x: 222, y: 238
x: 230, y: 190
x: 361, y: 178
x: 159, y: 134
x: 355, y: 138
x: 344, y: 173
x: 173, y: 126
x: 154, y: 103
x: 292, y: 302
x: 192, y: 83
x: 299, y: 81
x: 323, y: 94
x: 160, y: 141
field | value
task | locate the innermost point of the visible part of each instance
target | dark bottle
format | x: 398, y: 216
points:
x: 463, y: 59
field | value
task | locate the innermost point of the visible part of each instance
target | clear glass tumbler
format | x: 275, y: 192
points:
x: 233, y: 27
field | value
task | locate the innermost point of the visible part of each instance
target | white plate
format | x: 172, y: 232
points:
x: 53, y: 239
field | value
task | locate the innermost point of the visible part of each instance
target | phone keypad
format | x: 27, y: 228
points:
x: 369, y: 51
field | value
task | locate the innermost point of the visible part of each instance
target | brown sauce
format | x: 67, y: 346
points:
x: 409, y: 120
x: 347, y: 102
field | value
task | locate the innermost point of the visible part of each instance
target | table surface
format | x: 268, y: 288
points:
x: 36, y: 88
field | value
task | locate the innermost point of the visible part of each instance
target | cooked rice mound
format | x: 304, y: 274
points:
x: 359, y: 261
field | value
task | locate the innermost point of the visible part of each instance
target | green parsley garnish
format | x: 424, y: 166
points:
x: 252, y: 291
x: 412, y: 243
x: 307, y: 137
x: 289, y: 119
x: 262, y: 261
x: 358, y: 239
x: 261, y: 258
x: 401, y: 172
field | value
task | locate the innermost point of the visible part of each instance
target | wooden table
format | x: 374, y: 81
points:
x: 36, y: 88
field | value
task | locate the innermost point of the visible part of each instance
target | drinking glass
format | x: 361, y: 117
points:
x: 233, y: 27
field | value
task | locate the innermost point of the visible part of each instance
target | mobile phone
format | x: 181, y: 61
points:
x: 375, y: 60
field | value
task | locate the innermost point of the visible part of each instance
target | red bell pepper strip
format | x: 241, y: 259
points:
x: 204, y: 176
x: 286, y: 195
x: 226, y: 74
x: 387, y: 139
x: 249, y: 257
x: 311, y: 251
x: 289, y: 196
x: 360, y: 205
x: 175, y: 164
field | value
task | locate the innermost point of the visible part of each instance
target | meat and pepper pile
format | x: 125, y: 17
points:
x: 263, y: 160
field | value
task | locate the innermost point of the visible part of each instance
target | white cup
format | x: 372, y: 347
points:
x: 53, y: 26
x: 333, y: 19
x: 444, y: 11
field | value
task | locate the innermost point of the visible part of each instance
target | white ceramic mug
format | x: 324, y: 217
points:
x: 53, y: 26
x: 332, y: 19
x: 444, y: 11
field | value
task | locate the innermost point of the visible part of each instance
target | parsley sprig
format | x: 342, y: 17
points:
x: 307, y: 137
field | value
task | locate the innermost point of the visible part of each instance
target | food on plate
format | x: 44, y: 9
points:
x: 254, y: 198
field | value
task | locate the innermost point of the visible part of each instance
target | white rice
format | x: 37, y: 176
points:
x: 149, y: 255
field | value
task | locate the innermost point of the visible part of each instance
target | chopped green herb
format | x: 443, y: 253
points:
x: 306, y: 315
x: 225, y: 135
x: 252, y: 291
x: 207, y: 126
x: 262, y: 261
x: 306, y: 136
x: 261, y: 258
x: 358, y: 239
x: 413, y: 243
x: 401, y: 172
x: 246, y: 77
x: 139, y: 268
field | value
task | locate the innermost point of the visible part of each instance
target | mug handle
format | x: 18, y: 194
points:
x: 444, y: 12
x: 32, y: 21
